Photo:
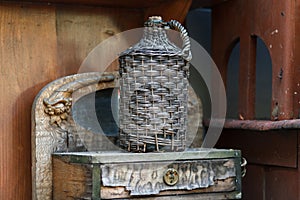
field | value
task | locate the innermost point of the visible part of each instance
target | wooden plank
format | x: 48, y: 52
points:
x: 81, y: 29
x: 122, y: 157
x: 177, y: 10
x: 221, y: 187
x: 71, y: 181
x: 209, y: 196
x: 205, y: 3
x: 127, y: 3
x: 246, y: 108
x: 277, y: 148
x: 107, y: 3
x: 27, y: 63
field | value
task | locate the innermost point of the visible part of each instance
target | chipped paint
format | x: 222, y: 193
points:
x: 274, y: 32
x: 262, y: 125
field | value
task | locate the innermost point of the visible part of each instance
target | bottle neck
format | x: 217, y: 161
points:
x: 155, y: 37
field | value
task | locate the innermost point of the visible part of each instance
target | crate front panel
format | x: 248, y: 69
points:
x: 127, y: 180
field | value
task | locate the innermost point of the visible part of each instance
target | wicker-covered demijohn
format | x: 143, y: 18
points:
x: 153, y: 90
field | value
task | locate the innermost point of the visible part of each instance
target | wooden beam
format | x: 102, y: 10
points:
x: 247, y: 76
x: 176, y: 9
x: 81, y: 29
x: 102, y: 3
x: 205, y: 3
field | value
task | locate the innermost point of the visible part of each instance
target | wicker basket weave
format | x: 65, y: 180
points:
x: 153, y: 91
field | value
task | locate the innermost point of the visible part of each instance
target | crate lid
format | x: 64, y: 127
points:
x: 104, y: 157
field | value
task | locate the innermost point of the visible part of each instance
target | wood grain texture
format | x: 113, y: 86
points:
x: 209, y: 196
x: 106, y: 3
x: 24, y: 70
x: 205, y: 3
x: 221, y: 186
x: 71, y: 181
x: 177, y: 10
x: 80, y: 30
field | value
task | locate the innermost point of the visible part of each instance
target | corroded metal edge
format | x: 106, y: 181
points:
x: 260, y: 125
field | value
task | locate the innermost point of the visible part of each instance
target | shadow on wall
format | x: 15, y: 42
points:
x: 263, y: 83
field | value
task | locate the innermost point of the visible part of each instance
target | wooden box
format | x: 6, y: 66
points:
x: 192, y: 174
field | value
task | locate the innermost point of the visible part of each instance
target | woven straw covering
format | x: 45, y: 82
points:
x: 153, y: 91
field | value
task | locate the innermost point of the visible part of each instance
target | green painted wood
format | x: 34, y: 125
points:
x: 96, y: 182
x: 122, y: 157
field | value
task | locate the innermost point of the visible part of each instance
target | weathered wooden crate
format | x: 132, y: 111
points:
x: 192, y: 174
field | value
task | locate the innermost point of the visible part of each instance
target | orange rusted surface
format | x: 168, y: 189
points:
x: 276, y: 23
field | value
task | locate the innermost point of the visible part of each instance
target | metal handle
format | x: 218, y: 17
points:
x: 186, y: 47
x: 243, y: 166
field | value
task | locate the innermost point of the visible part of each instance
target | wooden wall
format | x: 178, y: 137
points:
x: 40, y: 42
x: 28, y: 59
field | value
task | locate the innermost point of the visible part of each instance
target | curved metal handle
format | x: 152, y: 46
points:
x: 186, y: 47
x: 243, y: 167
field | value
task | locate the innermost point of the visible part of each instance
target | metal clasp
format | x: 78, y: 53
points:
x: 171, y: 177
x: 243, y: 167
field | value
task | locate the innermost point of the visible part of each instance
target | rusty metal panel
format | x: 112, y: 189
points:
x: 254, y: 183
x: 271, y: 20
x: 247, y: 76
x: 262, y: 125
x: 278, y: 148
x: 296, y: 81
x: 281, y: 183
x: 270, y: 183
